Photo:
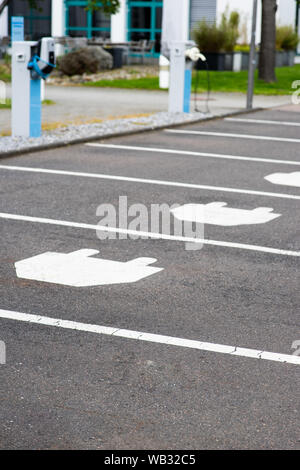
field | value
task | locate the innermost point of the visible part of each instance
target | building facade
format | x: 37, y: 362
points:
x: 136, y: 19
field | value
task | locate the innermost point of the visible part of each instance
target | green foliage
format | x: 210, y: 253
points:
x: 218, y: 38
x: 145, y: 83
x: 33, y: 4
x: 6, y: 105
x: 7, y: 59
x: 230, y: 27
x: 208, y: 37
x: 5, y: 72
x: 242, y: 48
x: 286, y: 38
x: 107, y: 6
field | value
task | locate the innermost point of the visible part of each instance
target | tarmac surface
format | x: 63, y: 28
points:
x: 64, y: 386
x: 80, y: 104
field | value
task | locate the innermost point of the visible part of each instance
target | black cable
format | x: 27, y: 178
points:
x: 196, y: 109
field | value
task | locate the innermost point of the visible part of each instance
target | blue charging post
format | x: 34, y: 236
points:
x: 35, y: 127
x: 187, y: 87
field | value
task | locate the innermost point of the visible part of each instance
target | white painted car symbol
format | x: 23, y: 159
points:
x: 216, y: 213
x: 79, y: 270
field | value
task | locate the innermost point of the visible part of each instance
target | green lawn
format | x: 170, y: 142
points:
x: 5, y: 75
x: 7, y: 104
x: 220, y: 81
x: 146, y: 83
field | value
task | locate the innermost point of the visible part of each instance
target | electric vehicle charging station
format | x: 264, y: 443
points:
x: 182, y: 56
x: 181, y: 53
x: 32, y: 61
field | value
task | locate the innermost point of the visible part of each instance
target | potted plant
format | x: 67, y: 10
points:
x: 286, y: 43
x: 244, y: 51
x: 217, y: 42
x: 210, y: 40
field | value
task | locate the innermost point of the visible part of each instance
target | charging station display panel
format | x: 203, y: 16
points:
x: 17, y: 28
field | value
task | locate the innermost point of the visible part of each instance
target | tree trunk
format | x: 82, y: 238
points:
x: 267, y: 59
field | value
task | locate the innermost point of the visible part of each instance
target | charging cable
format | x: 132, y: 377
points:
x: 36, y: 71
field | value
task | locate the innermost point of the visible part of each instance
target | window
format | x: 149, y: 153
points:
x: 145, y: 22
x: 37, y: 22
x: 84, y: 23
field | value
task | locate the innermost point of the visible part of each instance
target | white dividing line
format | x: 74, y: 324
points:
x: 235, y: 136
x: 157, y: 236
x: 147, y: 181
x: 149, y: 337
x: 193, y: 154
x: 264, y: 121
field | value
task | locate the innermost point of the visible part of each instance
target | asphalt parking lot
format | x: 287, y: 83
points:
x: 201, y: 354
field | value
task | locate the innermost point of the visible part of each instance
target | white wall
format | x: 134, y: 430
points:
x: 119, y: 21
x: 119, y: 24
x: 4, y: 23
x: 175, y: 23
x: 57, y: 18
x: 58, y: 23
x: 286, y: 13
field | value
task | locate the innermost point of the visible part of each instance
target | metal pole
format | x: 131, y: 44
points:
x: 252, y: 59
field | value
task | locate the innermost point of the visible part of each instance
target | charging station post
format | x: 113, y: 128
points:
x: 182, y: 57
x: 26, y: 102
x: 177, y: 77
x: 31, y: 62
x: 181, y: 53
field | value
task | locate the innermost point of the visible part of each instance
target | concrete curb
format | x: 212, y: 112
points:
x: 82, y: 140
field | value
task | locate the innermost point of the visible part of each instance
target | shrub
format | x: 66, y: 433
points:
x: 286, y: 38
x: 208, y: 37
x: 218, y: 38
x: 230, y: 27
x: 90, y: 59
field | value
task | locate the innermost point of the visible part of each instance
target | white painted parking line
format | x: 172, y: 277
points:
x: 193, y: 154
x: 157, y: 236
x: 147, y: 181
x: 150, y: 337
x: 234, y: 136
x: 264, y: 121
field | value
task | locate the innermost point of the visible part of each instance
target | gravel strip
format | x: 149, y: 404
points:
x: 76, y: 133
